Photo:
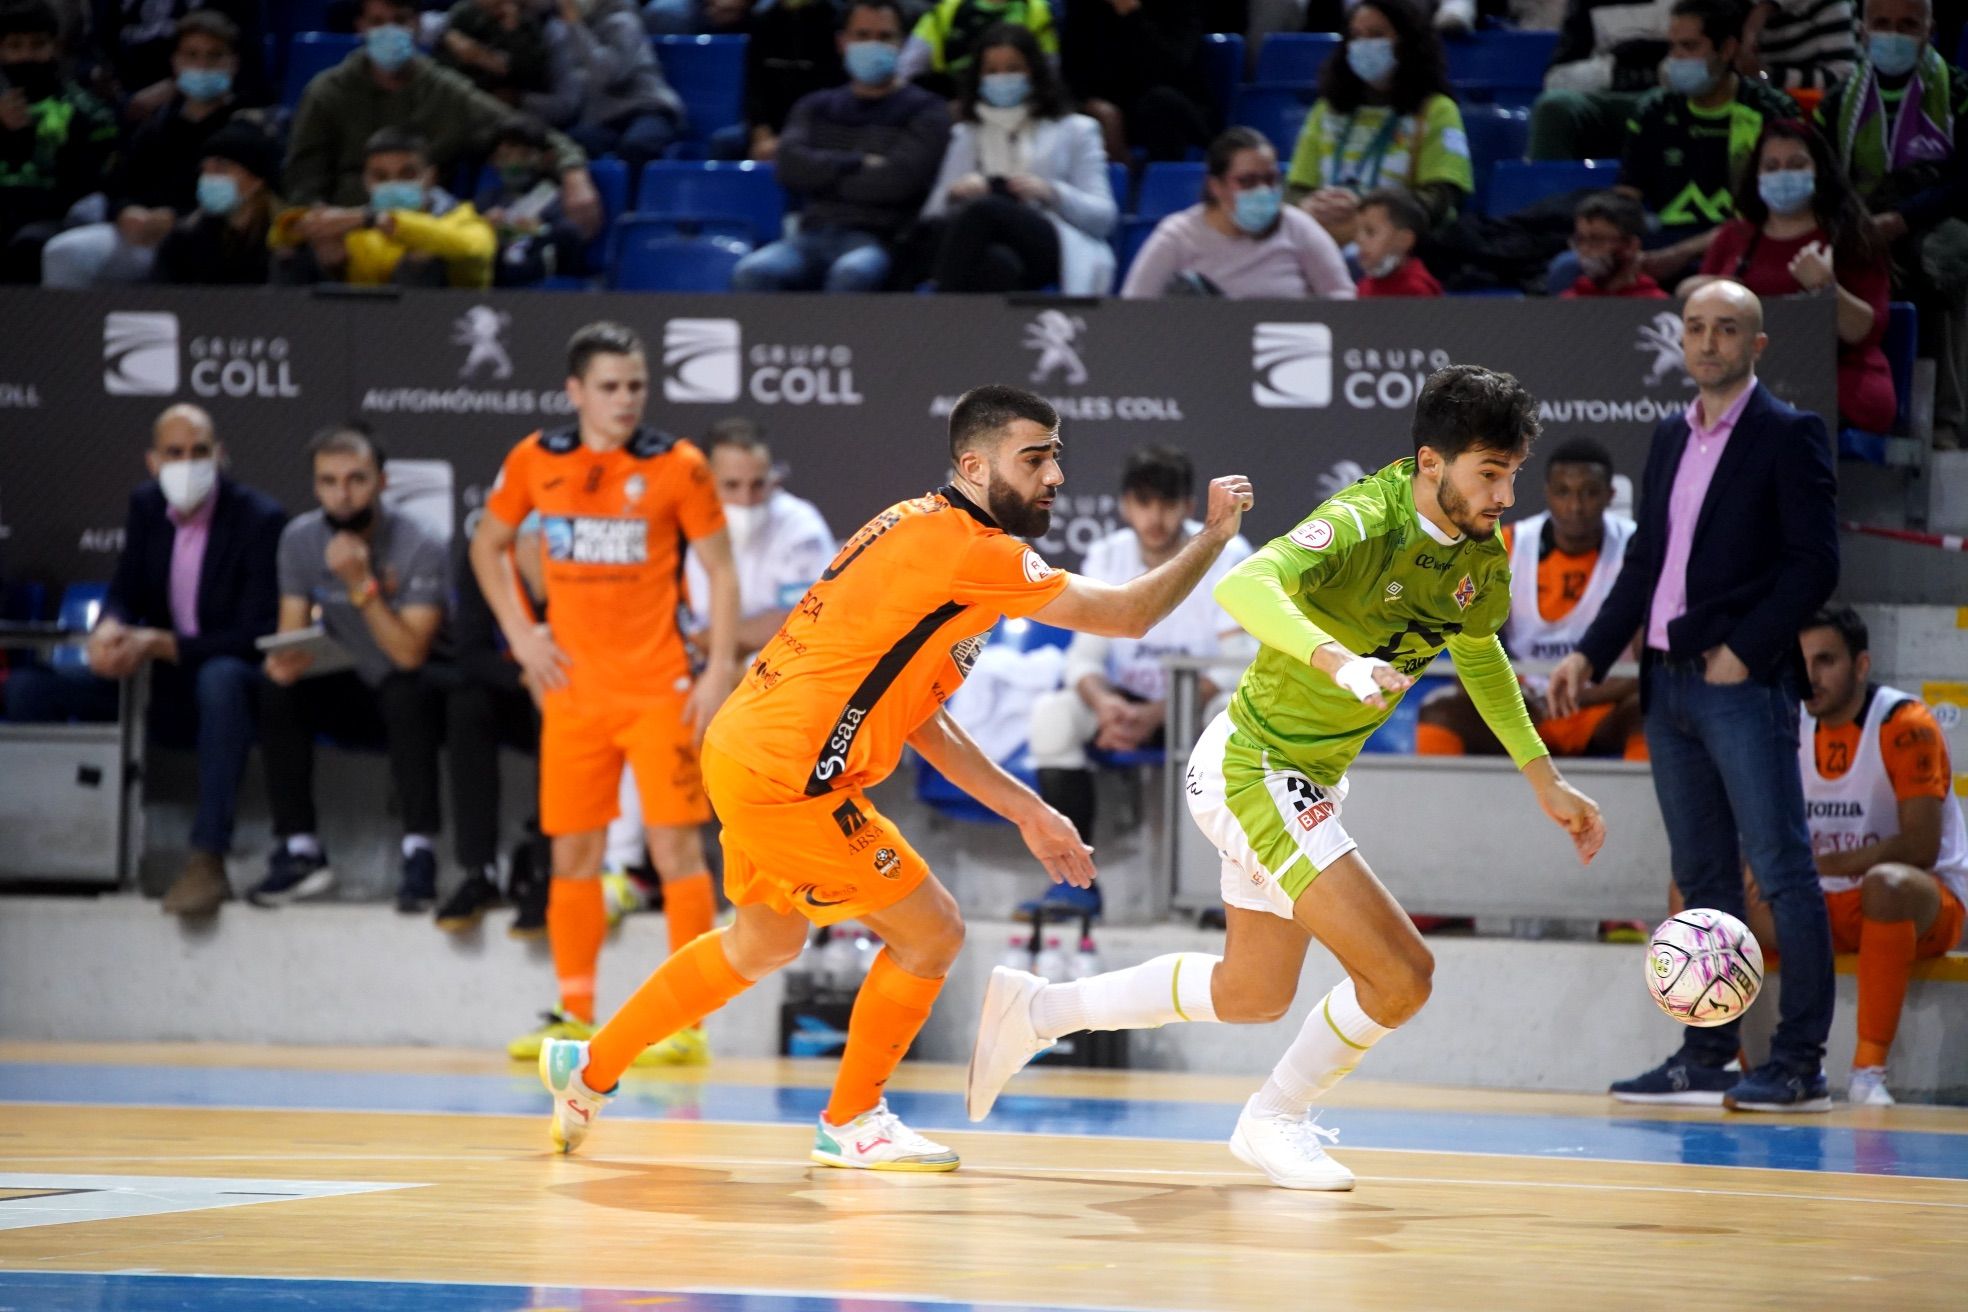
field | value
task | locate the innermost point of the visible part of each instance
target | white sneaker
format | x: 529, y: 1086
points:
x: 1868, y: 1087
x: 575, y: 1104
x: 876, y: 1140
x: 1006, y: 1040
x: 1289, y: 1149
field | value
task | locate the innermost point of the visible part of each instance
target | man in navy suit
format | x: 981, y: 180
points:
x: 1737, y: 547
x: 193, y: 588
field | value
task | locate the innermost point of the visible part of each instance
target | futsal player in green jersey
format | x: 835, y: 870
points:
x: 1349, y: 605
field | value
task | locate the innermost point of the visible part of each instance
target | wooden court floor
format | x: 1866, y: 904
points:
x: 140, y: 1177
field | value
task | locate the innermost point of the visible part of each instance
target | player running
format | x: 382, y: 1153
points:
x: 1348, y: 606
x: 612, y: 676
x: 863, y: 665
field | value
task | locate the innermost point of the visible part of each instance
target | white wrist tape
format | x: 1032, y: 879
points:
x: 1357, y: 676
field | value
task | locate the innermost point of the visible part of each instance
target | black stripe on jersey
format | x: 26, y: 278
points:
x: 833, y: 754
x: 950, y: 494
x: 642, y: 444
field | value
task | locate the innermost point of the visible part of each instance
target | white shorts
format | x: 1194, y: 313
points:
x: 1275, y: 829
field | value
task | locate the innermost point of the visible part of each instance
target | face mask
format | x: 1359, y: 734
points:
x: 1599, y: 268
x: 390, y: 47
x: 187, y: 483
x: 217, y: 194
x: 1689, y: 77
x: 745, y: 523
x: 357, y: 523
x: 397, y: 196
x: 1371, y: 58
x: 1257, y: 209
x: 1787, y: 192
x: 1386, y: 266
x: 205, y: 83
x: 518, y: 177
x: 871, y: 63
x: 1893, y: 54
x: 1005, y: 90
x: 36, y: 78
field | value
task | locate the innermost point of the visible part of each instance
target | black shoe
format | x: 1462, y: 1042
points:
x: 417, y: 892
x: 1678, y: 1082
x: 531, y: 899
x: 1774, y: 1087
x: 290, y: 876
x: 468, y: 904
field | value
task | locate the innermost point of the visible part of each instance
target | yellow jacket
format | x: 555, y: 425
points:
x: 459, y: 237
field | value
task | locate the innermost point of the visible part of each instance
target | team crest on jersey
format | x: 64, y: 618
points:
x: 887, y: 864
x: 590, y: 540
x: 1313, y: 535
x: 633, y: 489
x: 1465, y: 592
x: 1036, y: 570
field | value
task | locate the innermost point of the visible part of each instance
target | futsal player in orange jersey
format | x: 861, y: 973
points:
x: 863, y: 665
x: 617, y: 501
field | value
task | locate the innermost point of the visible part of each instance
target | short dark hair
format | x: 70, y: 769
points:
x: 1400, y: 206
x: 1227, y: 145
x: 1161, y: 472
x: 1721, y: 20
x: 1466, y: 407
x: 349, y: 439
x: 1614, y: 207
x: 602, y: 337
x: 982, y: 412
x: 520, y: 130
x: 1581, y: 451
x: 395, y: 141
x: 208, y: 22
x: 1850, y: 627
x: 848, y: 7
x: 736, y: 430
x: 29, y: 18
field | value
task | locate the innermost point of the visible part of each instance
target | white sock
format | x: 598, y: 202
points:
x: 1329, y: 1045
x: 417, y: 843
x: 304, y: 845
x: 1144, y: 997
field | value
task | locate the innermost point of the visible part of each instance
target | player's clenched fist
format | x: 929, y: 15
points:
x: 1229, y: 497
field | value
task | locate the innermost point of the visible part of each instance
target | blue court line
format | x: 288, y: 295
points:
x: 1730, y: 1141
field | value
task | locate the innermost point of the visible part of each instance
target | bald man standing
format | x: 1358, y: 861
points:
x: 1736, y: 548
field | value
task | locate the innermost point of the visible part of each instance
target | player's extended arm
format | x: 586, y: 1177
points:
x: 1050, y: 835
x: 1484, y: 668
x: 720, y: 674
x: 1254, y: 594
x: 531, y: 644
x: 1917, y: 844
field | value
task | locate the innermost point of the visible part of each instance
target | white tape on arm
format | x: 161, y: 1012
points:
x: 1357, y: 676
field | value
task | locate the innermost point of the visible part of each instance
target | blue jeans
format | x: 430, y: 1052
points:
x: 635, y: 140
x: 823, y: 259
x: 1725, y: 771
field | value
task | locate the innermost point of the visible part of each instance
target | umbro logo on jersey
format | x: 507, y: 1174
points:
x: 1394, y: 588
x: 848, y: 816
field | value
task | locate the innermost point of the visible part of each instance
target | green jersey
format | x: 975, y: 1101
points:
x: 1366, y: 571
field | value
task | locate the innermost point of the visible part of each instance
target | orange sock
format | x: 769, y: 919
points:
x: 1636, y: 747
x: 888, y: 1012
x: 1886, y: 949
x: 576, y: 922
x: 691, y: 985
x: 1437, y: 740
x: 688, y: 907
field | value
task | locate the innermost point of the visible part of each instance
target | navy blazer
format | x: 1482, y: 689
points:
x: 1765, y: 551
x: 238, y: 590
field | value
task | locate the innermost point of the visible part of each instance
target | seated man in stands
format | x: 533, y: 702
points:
x: 1607, y: 230
x: 1115, y: 697
x: 375, y: 581
x: 524, y: 206
x: 55, y: 138
x: 412, y: 233
x: 1562, y: 565
x: 193, y: 588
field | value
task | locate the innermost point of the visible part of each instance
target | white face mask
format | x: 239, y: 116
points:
x: 745, y: 523
x: 187, y: 483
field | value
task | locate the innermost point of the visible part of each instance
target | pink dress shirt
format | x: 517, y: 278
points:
x: 187, y: 559
x: 1698, y: 461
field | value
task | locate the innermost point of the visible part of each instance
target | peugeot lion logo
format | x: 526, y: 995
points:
x: 1052, y: 334
x: 1663, y: 337
x: 480, y: 329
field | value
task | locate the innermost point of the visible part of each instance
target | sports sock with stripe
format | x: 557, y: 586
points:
x: 691, y: 985
x: 889, y: 1011
x: 1329, y: 1045
x: 1144, y: 997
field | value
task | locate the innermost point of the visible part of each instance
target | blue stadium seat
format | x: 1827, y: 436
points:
x: 709, y: 73
x: 1505, y: 66
x: 1902, y: 347
x: 1295, y: 57
x: 285, y: 16
x: 1495, y: 134
x: 1223, y: 68
x: 611, y: 180
x: 652, y: 258
x: 311, y: 53
x: 1132, y: 234
x: 1118, y: 179
x: 744, y: 190
x: 1515, y: 183
x: 1168, y: 186
x: 1278, y: 111
x: 81, y: 604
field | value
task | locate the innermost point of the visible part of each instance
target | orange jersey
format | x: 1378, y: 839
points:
x: 613, y: 525
x: 1562, y: 578
x: 1910, y: 747
x: 879, y: 643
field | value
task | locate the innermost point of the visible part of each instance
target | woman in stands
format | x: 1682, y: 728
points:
x: 1242, y: 241
x: 1384, y: 117
x: 1800, y: 230
x: 1024, y: 188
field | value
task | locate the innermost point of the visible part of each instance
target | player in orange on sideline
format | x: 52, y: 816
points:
x: 608, y: 666
x: 863, y: 665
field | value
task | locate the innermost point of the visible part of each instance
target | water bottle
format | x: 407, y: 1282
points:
x: 1086, y: 961
x: 1016, y: 955
x: 1052, y: 961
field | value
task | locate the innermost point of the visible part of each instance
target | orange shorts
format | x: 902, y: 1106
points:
x: 1570, y: 735
x: 1941, y: 936
x: 829, y: 858
x: 583, y: 746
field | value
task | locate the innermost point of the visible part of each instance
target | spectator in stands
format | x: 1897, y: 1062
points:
x: 1737, y: 547
x: 1563, y: 562
x: 944, y: 43
x: 193, y: 588
x: 1391, y: 222
x: 1897, y: 124
x: 1242, y: 241
x: 55, y: 138
x: 792, y: 53
x: 522, y: 203
x: 1115, y: 697
x: 137, y: 42
x: 1608, y: 228
x: 500, y: 45
x: 1137, y: 68
x: 377, y: 581
x: 1384, y: 117
x: 1024, y: 193
x: 224, y: 240
x: 626, y: 108
x: 1608, y: 57
x: 155, y: 181
x: 861, y: 157
x: 1800, y: 44
x: 412, y: 233
x: 388, y: 84
x: 1803, y: 231
x: 688, y: 17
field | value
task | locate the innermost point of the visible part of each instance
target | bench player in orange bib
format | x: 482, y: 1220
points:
x: 617, y: 501
x: 863, y: 665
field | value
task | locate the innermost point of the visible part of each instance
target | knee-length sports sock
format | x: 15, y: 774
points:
x: 577, y: 920
x: 1329, y: 1045
x: 1144, y: 997
x: 691, y: 985
x: 689, y: 907
x: 888, y: 1012
x: 1886, y: 951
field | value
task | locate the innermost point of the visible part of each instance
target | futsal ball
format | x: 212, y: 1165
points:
x: 1704, y: 967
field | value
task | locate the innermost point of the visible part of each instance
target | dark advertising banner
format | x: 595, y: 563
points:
x: 852, y: 391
